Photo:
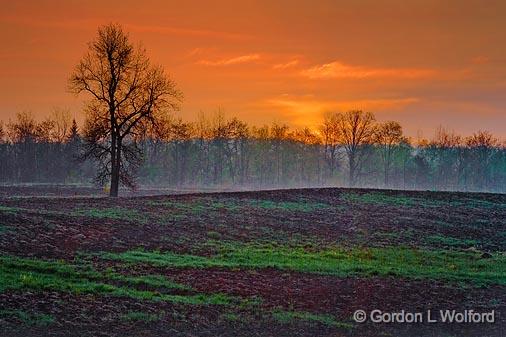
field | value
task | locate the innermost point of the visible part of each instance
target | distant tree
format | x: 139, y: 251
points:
x: 442, y: 152
x: 4, y: 155
x: 331, y: 137
x: 2, y: 132
x: 203, y: 134
x: 128, y: 95
x: 262, y: 164
x: 482, y: 146
x: 218, y: 137
x: 405, y: 155
x: 73, y: 134
x: 388, y: 138
x: 44, y: 131
x: 24, y: 129
x: 22, y: 133
x: 307, y: 155
x: 278, y: 135
x: 238, y: 149
x: 357, y: 129
x: 62, y: 124
x: 180, y: 135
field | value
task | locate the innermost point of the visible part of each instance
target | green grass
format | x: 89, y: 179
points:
x: 141, y: 316
x: 379, y: 198
x: 232, y: 205
x: 37, y: 275
x: 27, y: 318
x: 391, y: 261
x: 9, y: 210
x: 197, y: 206
x: 387, y: 235
x: 116, y: 213
x: 156, y: 281
x: 450, y: 241
x: 231, y: 316
x: 290, y: 316
x: 478, y: 203
x: 5, y: 229
x: 289, y: 206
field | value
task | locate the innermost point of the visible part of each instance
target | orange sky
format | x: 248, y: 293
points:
x: 422, y: 63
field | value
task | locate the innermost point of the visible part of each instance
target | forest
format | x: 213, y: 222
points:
x: 347, y: 149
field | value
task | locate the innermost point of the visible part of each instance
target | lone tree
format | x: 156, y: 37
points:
x: 357, y: 130
x: 129, y: 98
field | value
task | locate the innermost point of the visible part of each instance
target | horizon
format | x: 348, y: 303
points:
x: 444, y: 64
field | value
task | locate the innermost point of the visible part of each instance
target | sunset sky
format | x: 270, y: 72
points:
x: 422, y: 63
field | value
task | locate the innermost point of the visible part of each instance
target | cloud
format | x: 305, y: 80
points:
x: 231, y: 61
x: 168, y: 30
x: 480, y: 60
x: 337, y: 69
x: 308, y: 110
x: 285, y: 65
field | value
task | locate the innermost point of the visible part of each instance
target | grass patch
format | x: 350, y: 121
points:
x: 379, y: 198
x: 153, y: 281
x: 230, y: 316
x: 9, y: 210
x: 388, y: 261
x: 27, y: 318
x: 382, y: 199
x: 290, y: 316
x: 116, y: 213
x: 198, y: 206
x: 479, y: 203
x: 450, y: 241
x: 37, y: 275
x: 289, y: 206
x: 387, y: 235
x: 213, y: 235
x: 209, y: 205
x: 141, y: 316
x: 5, y: 229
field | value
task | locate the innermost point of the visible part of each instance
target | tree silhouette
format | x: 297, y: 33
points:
x: 388, y: 137
x: 128, y: 97
x: 332, y: 138
x: 357, y: 129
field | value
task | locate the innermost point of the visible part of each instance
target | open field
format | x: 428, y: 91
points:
x: 270, y: 263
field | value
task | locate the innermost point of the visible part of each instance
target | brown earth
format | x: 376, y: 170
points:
x: 60, y: 228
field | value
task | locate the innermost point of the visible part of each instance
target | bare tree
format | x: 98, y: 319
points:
x: 22, y: 133
x: 23, y: 130
x: 388, y: 138
x: 443, y: 151
x: 2, y: 132
x: 62, y: 124
x: 357, y: 129
x: 331, y: 136
x: 181, y: 134
x: 278, y: 136
x: 482, y: 146
x: 238, y: 149
x: 128, y: 95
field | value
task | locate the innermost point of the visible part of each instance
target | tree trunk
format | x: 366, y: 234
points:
x: 352, y: 170
x: 115, y: 167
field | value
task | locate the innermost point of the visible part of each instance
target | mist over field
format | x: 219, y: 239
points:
x: 220, y: 154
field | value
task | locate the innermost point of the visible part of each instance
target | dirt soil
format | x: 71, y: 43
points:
x: 40, y: 223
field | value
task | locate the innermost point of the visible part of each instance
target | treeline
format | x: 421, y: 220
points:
x: 348, y: 149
